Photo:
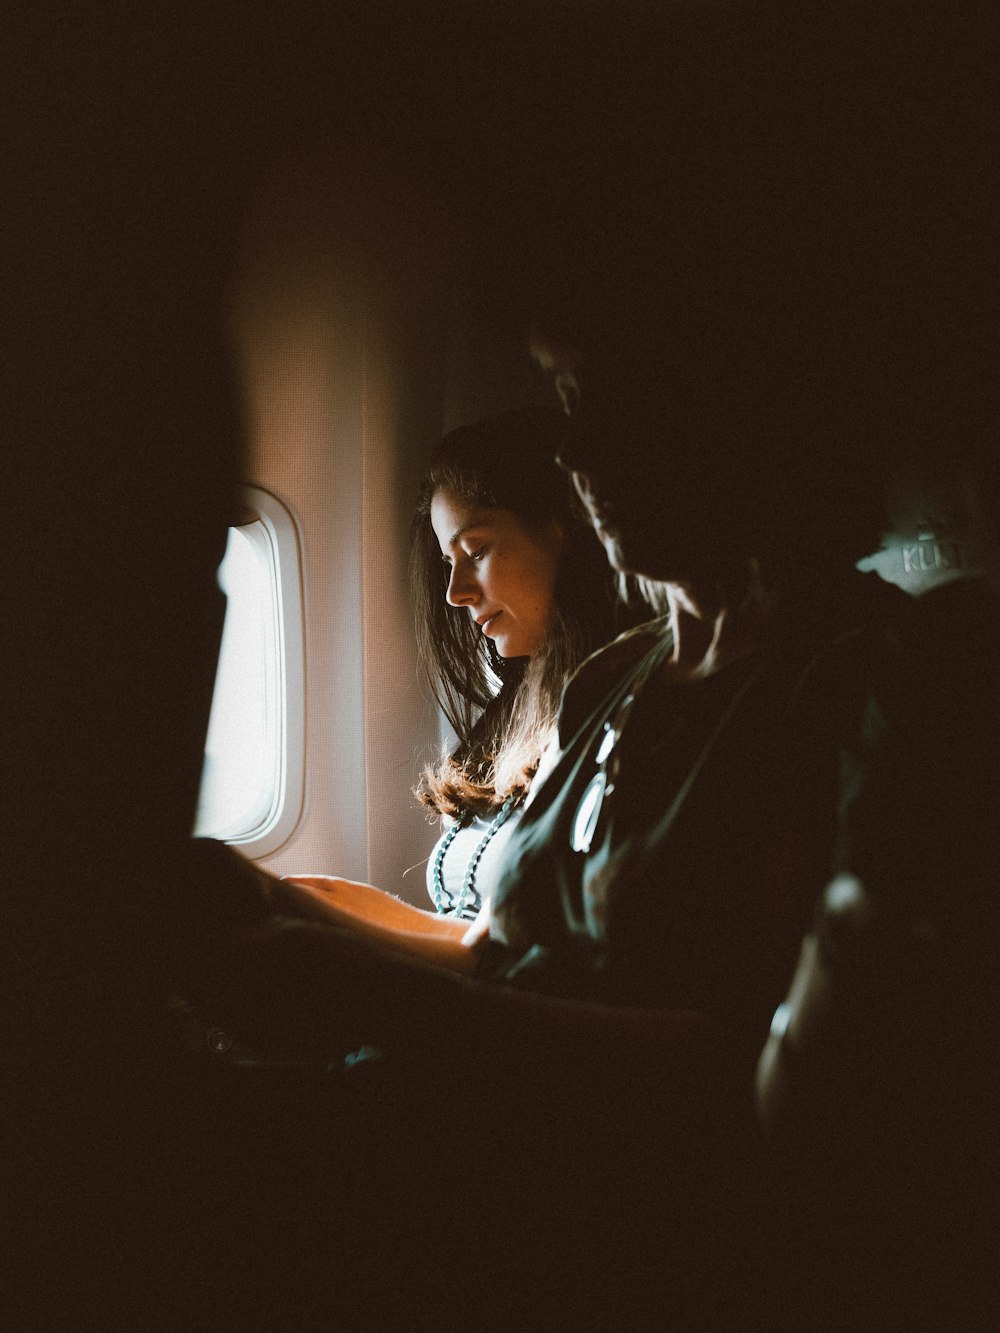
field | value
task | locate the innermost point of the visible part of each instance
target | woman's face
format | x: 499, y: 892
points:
x: 502, y: 573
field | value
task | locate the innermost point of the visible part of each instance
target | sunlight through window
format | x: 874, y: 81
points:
x: 252, y: 787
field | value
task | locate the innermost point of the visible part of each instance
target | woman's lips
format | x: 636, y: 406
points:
x: 487, y: 625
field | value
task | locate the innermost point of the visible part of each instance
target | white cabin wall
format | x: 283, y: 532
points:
x: 406, y: 322
x: 343, y: 352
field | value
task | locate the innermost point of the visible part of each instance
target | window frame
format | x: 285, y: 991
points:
x: 281, y: 535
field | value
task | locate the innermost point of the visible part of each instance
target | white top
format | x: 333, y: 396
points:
x: 461, y: 851
x: 467, y: 840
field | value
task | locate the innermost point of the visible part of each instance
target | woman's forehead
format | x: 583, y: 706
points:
x: 453, y: 513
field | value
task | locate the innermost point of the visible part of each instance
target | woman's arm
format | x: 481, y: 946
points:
x: 368, y: 903
x: 380, y: 918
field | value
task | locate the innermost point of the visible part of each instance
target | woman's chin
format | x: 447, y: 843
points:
x: 509, y: 647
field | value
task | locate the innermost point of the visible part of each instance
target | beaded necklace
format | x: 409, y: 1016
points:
x: 442, y: 899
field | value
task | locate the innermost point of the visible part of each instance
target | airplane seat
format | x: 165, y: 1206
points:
x: 876, y: 1088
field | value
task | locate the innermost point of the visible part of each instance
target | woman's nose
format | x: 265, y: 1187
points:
x: 462, y: 587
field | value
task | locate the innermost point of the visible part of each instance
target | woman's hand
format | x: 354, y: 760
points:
x: 380, y: 917
x: 367, y: 903
x: 303, y: 899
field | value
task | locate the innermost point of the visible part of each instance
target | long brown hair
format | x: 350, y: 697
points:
x: 506, y: 462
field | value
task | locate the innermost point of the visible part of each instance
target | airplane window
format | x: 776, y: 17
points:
x: 251, y: 778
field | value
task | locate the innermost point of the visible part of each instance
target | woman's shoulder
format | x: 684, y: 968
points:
x: 598, y: 675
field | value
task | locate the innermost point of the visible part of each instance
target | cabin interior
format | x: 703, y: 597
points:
x: 250, y: 296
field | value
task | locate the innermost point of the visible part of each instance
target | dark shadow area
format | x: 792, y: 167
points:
x: 801, y: 211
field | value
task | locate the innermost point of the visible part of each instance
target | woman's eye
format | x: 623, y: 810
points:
x: 464, y: 557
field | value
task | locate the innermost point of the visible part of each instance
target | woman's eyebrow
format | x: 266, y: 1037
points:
x: 459, y: 533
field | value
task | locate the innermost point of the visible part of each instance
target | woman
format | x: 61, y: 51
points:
x: 526, y: 597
